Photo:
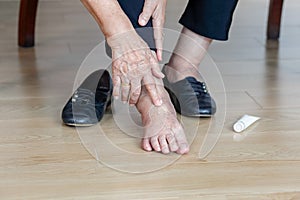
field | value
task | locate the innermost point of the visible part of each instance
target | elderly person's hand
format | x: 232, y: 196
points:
x: 134, y: 65
x: 155, y: 9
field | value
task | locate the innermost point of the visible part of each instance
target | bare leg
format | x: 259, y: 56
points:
x: 163, y: 132
x: 188, y: 53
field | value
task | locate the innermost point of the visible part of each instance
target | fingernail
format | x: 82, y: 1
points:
x: 131, y: 104
x: 116, y: 97
x: 124, y: 102
x: 143, y: 22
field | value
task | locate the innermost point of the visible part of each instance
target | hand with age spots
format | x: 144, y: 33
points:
x: 134, y: 65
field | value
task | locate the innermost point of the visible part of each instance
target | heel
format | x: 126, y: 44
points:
x: 174, y: 100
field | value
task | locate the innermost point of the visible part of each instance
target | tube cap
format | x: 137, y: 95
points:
x: 239, y: 127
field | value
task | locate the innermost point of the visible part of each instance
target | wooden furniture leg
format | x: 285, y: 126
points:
x: 27, y: 15
x: 274, y: 19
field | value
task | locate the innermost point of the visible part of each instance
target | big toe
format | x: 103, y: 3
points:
x: 183, y: 148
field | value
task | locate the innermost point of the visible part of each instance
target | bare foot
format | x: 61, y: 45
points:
x: 163, y: 132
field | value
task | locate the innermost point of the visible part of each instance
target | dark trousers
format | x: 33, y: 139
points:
x: 209, y: 18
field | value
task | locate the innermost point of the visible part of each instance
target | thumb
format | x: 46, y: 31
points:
x: 147, y: 12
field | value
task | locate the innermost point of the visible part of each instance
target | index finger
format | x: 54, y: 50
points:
x: 158, y: 21
x: 151, y: 87
x: 158, y: 37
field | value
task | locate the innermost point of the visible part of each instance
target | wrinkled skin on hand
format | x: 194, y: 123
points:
x: 134, y: 65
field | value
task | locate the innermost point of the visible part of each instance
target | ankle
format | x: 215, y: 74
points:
x: 174, y: 74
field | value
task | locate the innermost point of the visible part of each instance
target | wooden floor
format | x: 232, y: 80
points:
x: 42, y: 159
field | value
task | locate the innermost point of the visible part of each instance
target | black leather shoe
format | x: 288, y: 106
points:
x: 87, y: 105
x: 190, y: 97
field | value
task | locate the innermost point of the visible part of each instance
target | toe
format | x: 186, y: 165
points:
x: 183, y: 146
x: 155, y: 144
x: 163, y: 144
x: 172, y: 142
x: 146, y: 144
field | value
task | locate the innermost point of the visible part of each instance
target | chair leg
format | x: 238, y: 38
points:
x: 274, y: 19
x: 27, y: 15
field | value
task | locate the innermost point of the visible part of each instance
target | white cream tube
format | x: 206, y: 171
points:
x: 244, y: 123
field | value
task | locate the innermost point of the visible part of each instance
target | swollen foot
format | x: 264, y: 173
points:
x: 163, y: 133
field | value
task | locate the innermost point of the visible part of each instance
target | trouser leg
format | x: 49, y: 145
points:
x: 209, y: 18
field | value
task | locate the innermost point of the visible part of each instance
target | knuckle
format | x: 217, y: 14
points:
x: 159, y: 22
x: 116, y: 82
x: 170, y: 138
x: 136, y: 94
x: 150, y: 88
x: 146, y: 14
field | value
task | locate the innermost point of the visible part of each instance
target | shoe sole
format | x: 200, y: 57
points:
x: 79, y: 125
x: 108, y: 107
x: 200, y: 115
